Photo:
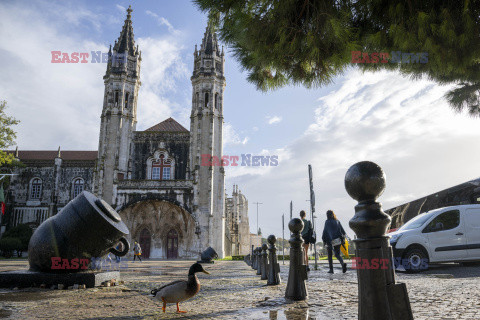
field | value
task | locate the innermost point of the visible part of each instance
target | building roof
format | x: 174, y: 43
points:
x: 69, y: 155
x: 169, y: 125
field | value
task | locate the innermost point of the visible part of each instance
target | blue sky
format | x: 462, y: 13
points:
x: 405, y: 126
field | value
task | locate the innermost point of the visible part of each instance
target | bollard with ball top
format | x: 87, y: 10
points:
x: 263, y: 257
x: 379, y: 297
x: 297, y: 274
x: 255, y: 259
x: 273, y: 266
x: 259, y: 261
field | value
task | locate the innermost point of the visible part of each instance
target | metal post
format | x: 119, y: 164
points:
x: 312, y: 210
x: 297, y: 274
x: 264, y: 268
x: 273, y: 266
x: 259, y: 261
x: 379, y: 297
x: 283, y: 238
x: 257, y: 203
x: 252, y: 264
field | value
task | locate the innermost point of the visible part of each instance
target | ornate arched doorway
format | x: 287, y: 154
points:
x: 145, y: 240
x: 163, y: 220
x: 172, y: 244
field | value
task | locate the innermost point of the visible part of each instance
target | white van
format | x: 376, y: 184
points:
x: 441, y: 235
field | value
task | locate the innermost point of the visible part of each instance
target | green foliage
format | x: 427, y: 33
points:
x: 8, y: 245
x: 236, y: 258
x: 23, y: 233
x: 281, y: 42
x: 227, y: 258
x: 7, y: 135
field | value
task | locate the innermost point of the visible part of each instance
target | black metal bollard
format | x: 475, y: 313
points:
x: 255, y: 260
x: 259, y: 261
x: 297, y: 274
x: 252, y: 258
x: 379, y: 297
x: 274, y: 267
x: 264, y: 268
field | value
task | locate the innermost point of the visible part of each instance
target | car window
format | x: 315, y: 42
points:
x: 444, y: 221
x: 416, y: 222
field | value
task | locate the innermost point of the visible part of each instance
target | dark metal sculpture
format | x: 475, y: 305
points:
x: 264, y: 264
x: 259, y: 261
x: 297, y: 274
x: 379, y: 297
x: 208, y: 255
x: 86, y: 228
x: 273, y: 266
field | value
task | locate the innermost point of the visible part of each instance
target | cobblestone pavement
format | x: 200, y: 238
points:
x: 233, y: 291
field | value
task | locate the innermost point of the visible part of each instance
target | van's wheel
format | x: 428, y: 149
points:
x: 415, y: 260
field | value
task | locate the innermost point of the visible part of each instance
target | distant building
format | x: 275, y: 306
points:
x: 238, y: 238
x: 172, y: 204
x: 465, y: 193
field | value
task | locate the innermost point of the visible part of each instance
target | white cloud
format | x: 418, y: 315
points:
x: 162, y: 21
x: 231, y: 137
x: 404, y: 126
x: 273, y: 119
x: 39, y: 92
x: 162, y: 67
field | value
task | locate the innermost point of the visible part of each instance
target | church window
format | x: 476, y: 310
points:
x: 166, y: 173
x: 78, y: 186
x: 160, y: 168
x: 206, y: 99
x: 116, y: 97
x: 126, y: 99
x: 155, y: 171
x: 197, y: 100
x: 35, y: 188
x: 216, y: 100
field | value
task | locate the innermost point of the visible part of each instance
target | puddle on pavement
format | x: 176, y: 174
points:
x: 283, y: 314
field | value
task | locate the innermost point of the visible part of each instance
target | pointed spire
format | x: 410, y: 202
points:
x: 209, y: 42
x: 16, y: 152
x: 59, y: 155
x: 126, y: 43
x: 129, y: 12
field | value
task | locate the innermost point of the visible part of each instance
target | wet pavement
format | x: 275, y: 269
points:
x: 233, y: 291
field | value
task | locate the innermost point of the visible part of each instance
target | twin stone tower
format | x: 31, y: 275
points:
x: 155, y: 178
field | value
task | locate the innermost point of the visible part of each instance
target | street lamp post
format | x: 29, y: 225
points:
x: 314, y: 227
x: 257, y: 203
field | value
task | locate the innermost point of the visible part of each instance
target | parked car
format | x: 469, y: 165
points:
x: 450, y: 234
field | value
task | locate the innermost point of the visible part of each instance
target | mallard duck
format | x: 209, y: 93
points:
x: 180, y: 290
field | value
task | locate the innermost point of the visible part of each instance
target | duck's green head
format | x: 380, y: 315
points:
x: 196, y: 267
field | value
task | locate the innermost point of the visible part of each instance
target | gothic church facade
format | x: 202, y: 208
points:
x: 173, y: 206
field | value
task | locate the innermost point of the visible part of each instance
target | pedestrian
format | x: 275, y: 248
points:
x: 306, y: 235
x: 118, y: 248
x: 137, y: 251
x: 333, y: 237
